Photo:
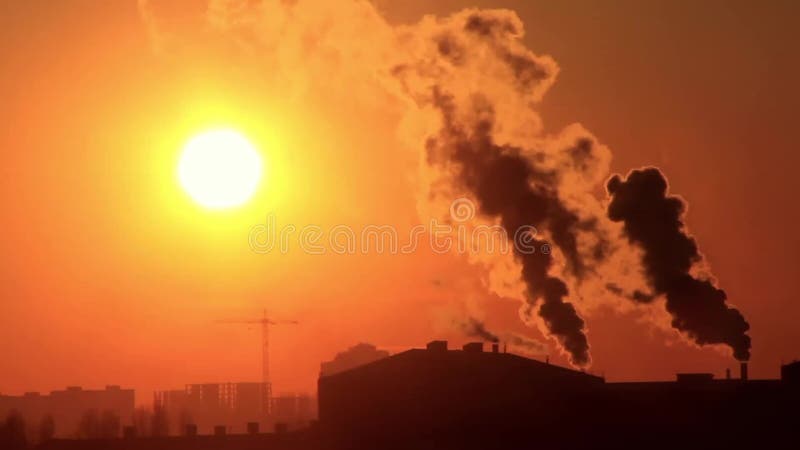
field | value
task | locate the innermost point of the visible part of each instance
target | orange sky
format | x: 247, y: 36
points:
x: 111, y: 275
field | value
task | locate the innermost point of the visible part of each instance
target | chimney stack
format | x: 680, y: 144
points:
x: 743, y: 369
x: 728, y: 374
x: 495, y: 348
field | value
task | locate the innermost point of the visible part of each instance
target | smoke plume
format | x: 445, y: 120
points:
x: 473, y: 327
x: 460, y: 94
x: 510, y: 187
x: 654, y: 220
x: 519, y: 180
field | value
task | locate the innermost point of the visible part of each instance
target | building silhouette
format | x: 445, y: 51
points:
x: 438, y: 398
x: 234, y: 406
x: 70, y: 406
x: 469, y: 398
x: 209, y: 405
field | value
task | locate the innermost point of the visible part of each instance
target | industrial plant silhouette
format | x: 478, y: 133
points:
x: 436, y: 398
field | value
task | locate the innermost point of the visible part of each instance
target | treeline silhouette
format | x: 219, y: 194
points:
x: 16, y: 433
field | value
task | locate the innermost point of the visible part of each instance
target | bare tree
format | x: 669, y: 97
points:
x: 47, y: 428
x: 89, y: 425
x: 142, y: 421
x: 109, y: 425
x: 184, y: 418
x: 12, y: 432
x: 160, y: 421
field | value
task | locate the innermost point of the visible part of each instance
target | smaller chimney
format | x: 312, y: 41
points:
x: 505, y: 347
x: 728, y: 374
x: 495, y: 347
x: 743, y: 369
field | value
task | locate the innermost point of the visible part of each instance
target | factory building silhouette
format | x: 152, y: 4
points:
x: 470, y: 397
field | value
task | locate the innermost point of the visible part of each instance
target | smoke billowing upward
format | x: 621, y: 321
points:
x: 483, y: 83
x: 654, y: 220
x: 508, y: 185
x: 459, y: 94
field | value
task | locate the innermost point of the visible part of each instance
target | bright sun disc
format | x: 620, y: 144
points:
x: 219, y: 169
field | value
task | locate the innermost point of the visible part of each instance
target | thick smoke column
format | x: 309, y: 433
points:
x: 507, y: 185
x: 654, y: 220
x: 483, y: 83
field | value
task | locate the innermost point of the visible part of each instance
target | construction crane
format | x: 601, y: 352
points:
x: 265, y: 323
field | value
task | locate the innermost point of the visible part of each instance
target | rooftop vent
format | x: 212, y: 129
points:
x: 473, y: 347
x: 437, y: 346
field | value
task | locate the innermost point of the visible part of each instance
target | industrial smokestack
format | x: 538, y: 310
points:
x: 495, y: 348
x: 743, y: 369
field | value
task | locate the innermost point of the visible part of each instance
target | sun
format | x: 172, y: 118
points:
x: 220, y: 169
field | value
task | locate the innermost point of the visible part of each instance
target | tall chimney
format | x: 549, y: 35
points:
x: 743, y: 369
x: 495, y: 347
